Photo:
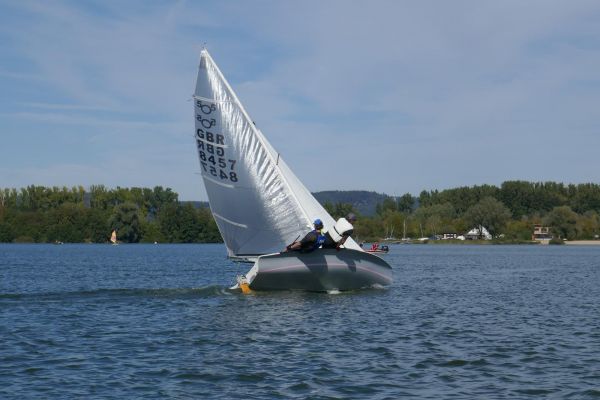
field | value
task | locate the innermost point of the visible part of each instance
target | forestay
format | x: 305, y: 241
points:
x: 259, y: 205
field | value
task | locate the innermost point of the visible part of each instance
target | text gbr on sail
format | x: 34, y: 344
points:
x: 211, y: 146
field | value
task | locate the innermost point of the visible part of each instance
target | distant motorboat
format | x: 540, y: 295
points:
x: 377, y: 248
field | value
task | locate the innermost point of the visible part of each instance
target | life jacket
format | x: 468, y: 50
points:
x: 320, y: 239
x: 341, y: 228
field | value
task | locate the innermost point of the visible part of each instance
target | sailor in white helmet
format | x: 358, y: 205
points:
x: 336, y: 236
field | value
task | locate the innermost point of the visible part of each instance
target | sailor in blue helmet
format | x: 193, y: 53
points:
x: 312, y: 241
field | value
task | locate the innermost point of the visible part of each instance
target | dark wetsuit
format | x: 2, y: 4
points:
x: 311, y: 241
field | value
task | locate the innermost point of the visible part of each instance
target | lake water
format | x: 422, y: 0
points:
x: 157, y: 321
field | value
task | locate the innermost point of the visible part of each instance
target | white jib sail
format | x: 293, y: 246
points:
x: 259, y: 205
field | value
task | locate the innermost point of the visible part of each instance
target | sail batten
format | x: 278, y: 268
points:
x: 217, y: 182
x: 210, y: 100
x: 229, y: 221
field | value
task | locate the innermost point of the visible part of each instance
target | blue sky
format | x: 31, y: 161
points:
x: 395, y: 97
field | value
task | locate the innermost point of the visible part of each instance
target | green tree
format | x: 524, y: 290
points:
x: 434, y: 219
x: 66, y: 223
x: 586, y: 197
x: 6, y: 231
x: 518, y: 230
x: 189, y: 228
x: 184, y: 223
x: 518, y: 196
x: 392, y: 224
x: 339, y: 210
x: 210, y: 232
x: 28, y: 226
x: 489, y: 213
x: 367, y: 229
x: 588, y: 225
x: 97, y: 227
x: 150, y: 232
x: 406, y: 203
x: 388, y: 204
x: 563, y: 222
x: 125, y: 220
x: 168, y: 220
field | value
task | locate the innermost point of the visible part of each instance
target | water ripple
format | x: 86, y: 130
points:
x: 111, y: 294
x: 459, y: 322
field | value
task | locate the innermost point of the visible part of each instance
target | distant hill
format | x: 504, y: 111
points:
x: 364, y: 202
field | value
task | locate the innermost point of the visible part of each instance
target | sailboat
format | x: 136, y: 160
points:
x: 113, y: 237
x: 260, y: 206
x: 405, y: 240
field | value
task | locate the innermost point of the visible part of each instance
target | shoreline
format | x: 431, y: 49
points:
x: 495, y: 243
x: 582, y: 242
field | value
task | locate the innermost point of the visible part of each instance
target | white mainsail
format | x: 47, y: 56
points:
x: 259, y: 205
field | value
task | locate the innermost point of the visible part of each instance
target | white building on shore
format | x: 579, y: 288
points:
x: 478, y: 233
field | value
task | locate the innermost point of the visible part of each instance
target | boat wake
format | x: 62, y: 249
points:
x: 110, y: 294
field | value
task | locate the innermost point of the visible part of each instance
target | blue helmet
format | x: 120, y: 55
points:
x: 318, y: 223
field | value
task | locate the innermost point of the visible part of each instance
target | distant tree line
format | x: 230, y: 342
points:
x: 45, y: 215
x: 509, y: 212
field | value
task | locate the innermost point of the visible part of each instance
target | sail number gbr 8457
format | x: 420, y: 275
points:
x: 211, y: 146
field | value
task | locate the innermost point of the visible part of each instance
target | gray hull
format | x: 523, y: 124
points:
x: 320, y: 270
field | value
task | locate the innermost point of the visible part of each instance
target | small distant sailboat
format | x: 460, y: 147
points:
x: 389, y: 234
x: 113, y: 237
x: 405, y: 240
x: 260, y: 206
